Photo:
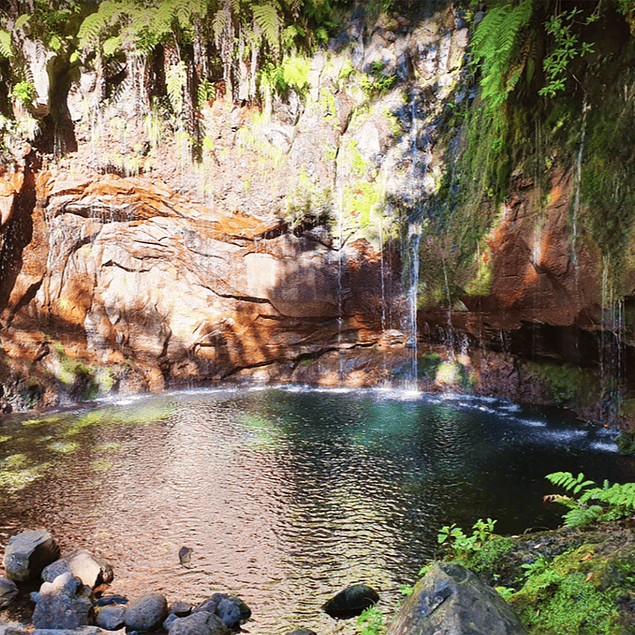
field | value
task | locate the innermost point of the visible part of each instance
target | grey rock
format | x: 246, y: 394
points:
x: 147, y: 613
x: 302, y: 631
x: 28, y: 553
x: 451, y: 599
x: 112, y: 617
x: 88, y: 567
x: 64, y: 603
x: 231, y: 610
x: 199, y: 623
x: 228, y: 613
x: 8, y: 591
x: 181, y: 609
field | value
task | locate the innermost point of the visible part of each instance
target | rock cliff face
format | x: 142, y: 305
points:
x: 124, y: 270
x: 302, y: 234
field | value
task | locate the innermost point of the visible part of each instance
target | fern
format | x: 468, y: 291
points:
x: 96, y: 23
x: 21, y: 21
x: 609, y: 502
x: 219, y: 23
x: 5, y: 44
x: 495, y: 46
x: 266, y: 17
x: 175, y: 80
x: 568, y: 482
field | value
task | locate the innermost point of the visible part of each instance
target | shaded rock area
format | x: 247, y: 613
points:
x: 68, y: 603
x: 451, y: 599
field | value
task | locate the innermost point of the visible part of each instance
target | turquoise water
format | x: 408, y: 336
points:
x: 286, y: 495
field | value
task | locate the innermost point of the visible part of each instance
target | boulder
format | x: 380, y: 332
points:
x: 199, y: 623
x: 351, y: 601
x: 111, y: 617
x: 28, y: 553
x: 8, y: 591
x: 147, y: 613
x: 451, y: 599
x: 89, y: 568
x: 64, y: 603
x: 302, y: 631
x: 231, y: 610
x: 181, y: 609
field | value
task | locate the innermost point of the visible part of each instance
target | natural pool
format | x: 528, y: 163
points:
x: 286, y: 495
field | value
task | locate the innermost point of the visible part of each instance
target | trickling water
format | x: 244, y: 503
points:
x: 610, y: 345
x: 382, y: 273
x: 576, y: 188
x: 415, y: 241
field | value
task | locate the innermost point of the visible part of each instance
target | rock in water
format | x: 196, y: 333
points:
x: 200, y: 623
x: 28, y: 553
x: 185, y: 556
x: 351, y: 601
x: 451, y: 599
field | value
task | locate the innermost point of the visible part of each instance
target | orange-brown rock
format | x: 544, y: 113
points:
x: 127, y: 269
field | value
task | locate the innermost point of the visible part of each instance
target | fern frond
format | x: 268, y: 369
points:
x: 94, y: 24
x: 21, y: 21
x: 582, y: 516
x: 219, y: 24
x: 175, y: 81
x: 266, y: 17
x: 112, y: 45
x: 5, y: 44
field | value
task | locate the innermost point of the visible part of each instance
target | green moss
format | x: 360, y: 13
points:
x: 453, y: 374
x: 568, y: 597
x: 428, y: 364
x: 563, y: 382
x: 17, y: 471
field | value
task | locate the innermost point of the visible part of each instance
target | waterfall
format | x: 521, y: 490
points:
x: 414, y: 243
x: 610, y: 347
x: 576, y: 186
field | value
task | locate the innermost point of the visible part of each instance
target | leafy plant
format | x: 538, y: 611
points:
x: 24, y: 92
x: 460, y: 544
x: 567, y: 46
x: 372, y: 622
x: 589, y: 503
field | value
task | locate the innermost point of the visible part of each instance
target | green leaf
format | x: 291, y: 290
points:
x: 21, y: 21
x: 5, y: 44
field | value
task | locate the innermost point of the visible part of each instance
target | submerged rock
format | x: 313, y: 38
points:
x: 28, y: 553
x: 451, y: 599
x: 351, y: 601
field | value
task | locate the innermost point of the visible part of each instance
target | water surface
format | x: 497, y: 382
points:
x: 286, y: 495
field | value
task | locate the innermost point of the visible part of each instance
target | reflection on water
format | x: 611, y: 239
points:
x: 285, y: 496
